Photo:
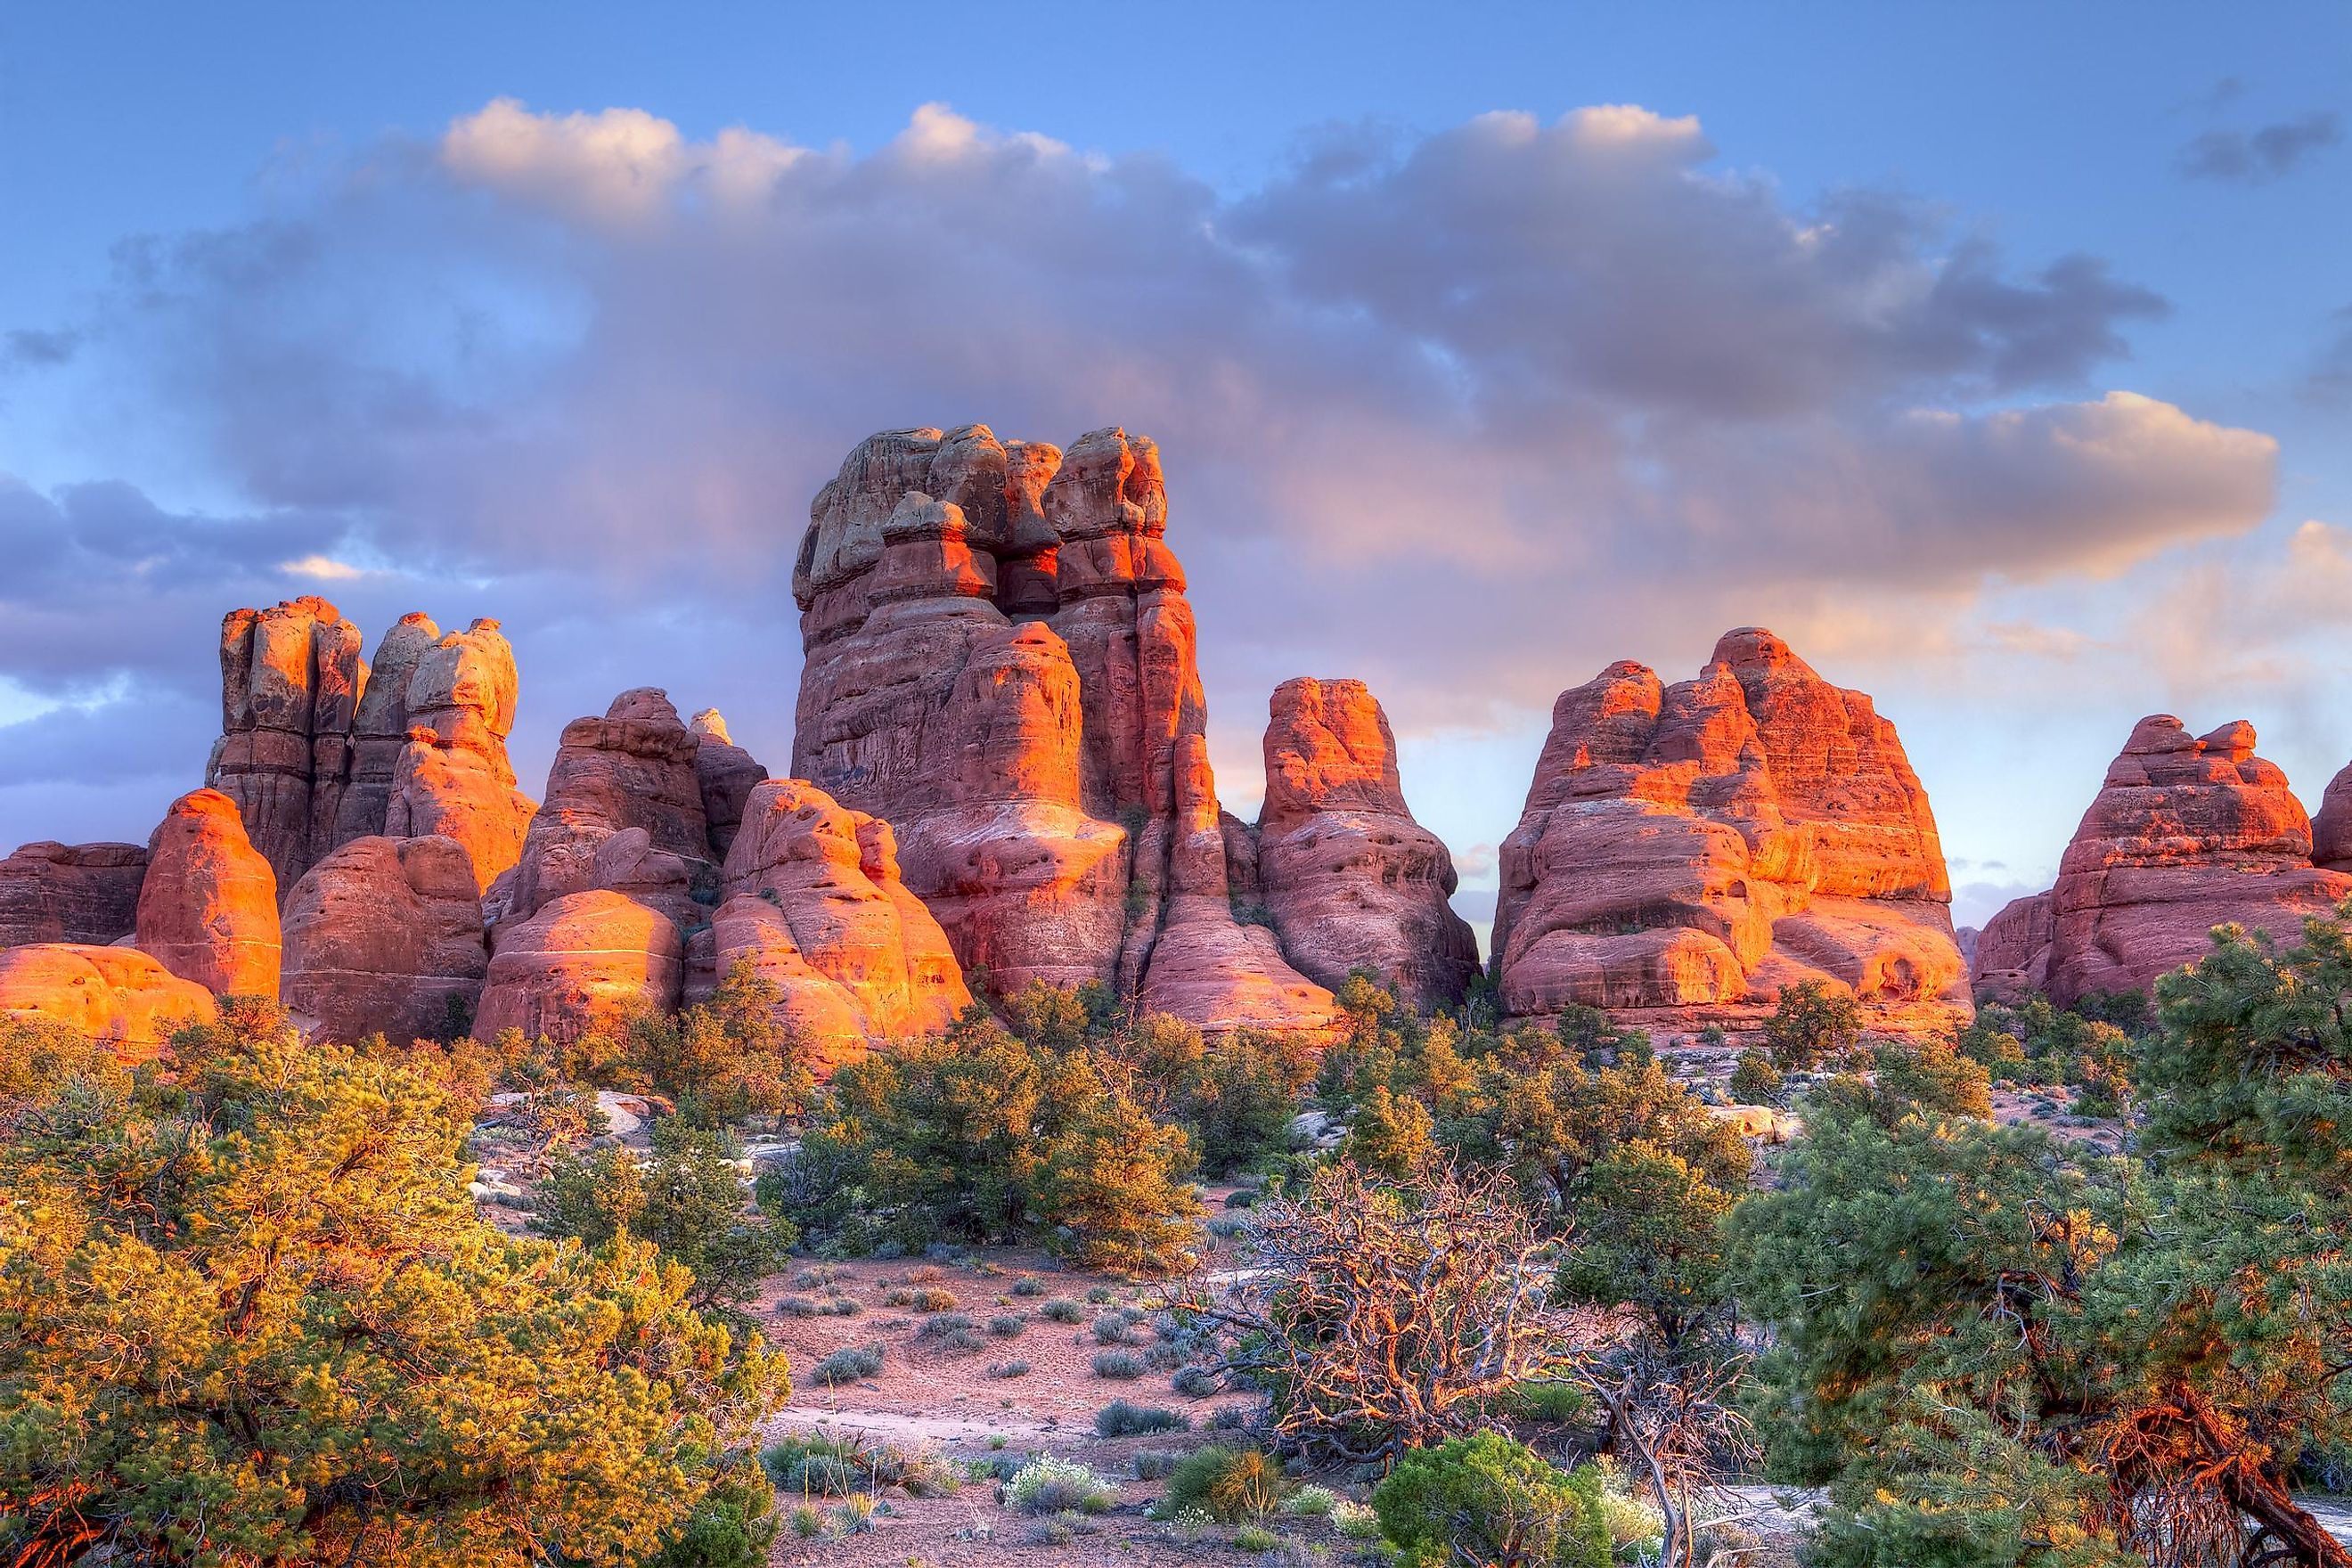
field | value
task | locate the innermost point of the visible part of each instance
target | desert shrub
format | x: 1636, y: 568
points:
x: 1122, y: 1418
x: 1028, y: 1285
x: 1355, y: 1520
x: 1113, y: 1329
x: 841, y: 1306
x: 944, y: 1325
x: 1755, y: 1080
x: 732, y: 1527
x: 934, y: 1300
x: 1636, y: 1528
x: 854, y: 1514
x: 1194, y: 1382
x: 1554, y: 1403
x: 1227, y: 1227
x: 808, y: 1521
x: 1155, y: 1463
x: 1100, y: 1296
x: 1048, y: 1485
x: 1810, y: 1025
x: 1008, y: 1325
x: 1310, y: 1503
x: 797, y: 1307
x: 1256, y: 1538
x: 1161, y: 1356
x: 1119, y: 1366
x: 812, y: 1465
x: 1486, y: 1498
x: 1061, y: 1310
x: 1229, y: 1485
x: 923, y: 1274
x: 818, y: 1276
x: 1008, y: 1369
x: 1048, y: 1533
x: 849, y: 1364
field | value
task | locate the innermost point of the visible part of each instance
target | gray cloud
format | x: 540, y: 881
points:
x: 1467, y: 415
x: 2259, y: 156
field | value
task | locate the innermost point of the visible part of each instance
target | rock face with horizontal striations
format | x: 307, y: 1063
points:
x: 816, y: 904
x: 452, y: 779
x: 2187, y: 833
x: 385, y: 935
x: 208, y: 904
x: 582, y: 960
x: 1349, y: 879
x: 85, y: 893
x: 1000, y: 663
x: 116, y: 995
x: 2013, y: 953
x: 727, y: 774
x: 290, y: 681
x: 1688, y: 850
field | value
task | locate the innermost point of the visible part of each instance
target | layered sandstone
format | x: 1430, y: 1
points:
x: 727, y: 774
x: 2185, y: 833
x: 1000, y: 663
x: 385, y: 935
x: 451, y: 778
x: 85, y: 893
x: 208, y: 904
x: 1348, y: 879
x: 116, y: 995
x: 290, y: 681
x: 623, y: 811
x: 816, y: 905
x: 1688, y: 850
x: 582, y: 959
x: 2013, y: 953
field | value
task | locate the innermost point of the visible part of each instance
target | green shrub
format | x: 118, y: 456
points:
x: 1100, y: 1296
x: 944, y: 1325
x: 1255, y: 1538
x: 1553, y: 1404
x: 934, y: 1300
x: 1048, y: 1485
x: 1028, y: 1285
x: 1194, y: 1382
x: 1489, y: 1499
x: 1008, y: 1369
x: 1119, y: 1366
x: 1229, y: 1485
x: 1310, y: 1503
x: 1155, y: 1463
x: 1122, y: 1418
x: 1755, y: 1080
x: 1112, y: 1330
x: 1008, y: 1325
x: 849, y: 1364
x: 1061, y: 1310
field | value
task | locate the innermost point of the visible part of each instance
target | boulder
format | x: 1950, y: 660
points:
x: 1688, y: 850
x: 999, y: 662
x: 79, y: 893
x: 816, y: 905
x: 116, y: 995
x: 208, y: 904
x: 580, y: 961
x: 385, y: 935
x: 291, y: 678
x: 1348, y: 877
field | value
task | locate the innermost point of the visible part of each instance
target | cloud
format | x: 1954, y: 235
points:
x: 1467, y: 413
x: 2259, y: 156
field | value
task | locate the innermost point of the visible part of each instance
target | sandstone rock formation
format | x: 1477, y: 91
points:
x: 70, y: 892
x: 318, y: 747
x: 290, y: 681
x: 208, y: 904
x: 2185, y: 833
x: 1688, y: 850
x: 582, y: 957
x: 385, y: 934
x: 816, y: 903
x: 1349, y: 879
x: 727, y: 774
x: 116, y: 995
x: 624, y: 810
x: 2012, y: 952
x: 1000, y: 663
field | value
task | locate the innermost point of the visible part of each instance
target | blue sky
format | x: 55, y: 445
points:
x: 1824, y: 338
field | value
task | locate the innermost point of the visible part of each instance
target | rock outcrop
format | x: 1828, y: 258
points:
x: 1000, y: 663
x: 2185, y: 833
x: 581, y: 960
x: 624, y: 811
x: 816, y: 904
x: 116, y: 995
x: 290, y: 682
x: 1687, y: 850
x: 727, y: 774
x: 2012, y: 952
x: 385, y: 934
x: 208, y: 904
x: 1348, y: 879
x: 318, y: 747
x: 82, y: 893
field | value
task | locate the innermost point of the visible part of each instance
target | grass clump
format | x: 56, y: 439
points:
x: 851, y: 1364
x: 1048, y: 1485
x: 1230, y: 1485
x: 1124, y: 1418
x: 1256, y: 1538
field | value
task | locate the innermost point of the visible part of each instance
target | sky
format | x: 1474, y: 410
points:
x: 1998, y: 356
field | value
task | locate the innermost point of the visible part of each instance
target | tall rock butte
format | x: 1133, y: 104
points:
x: 318, y: 747
x: 1000, y: 663
x: 1688, y: 850
x: 208, y: 904
x: 1348, y: 879
x: 2185, y: 833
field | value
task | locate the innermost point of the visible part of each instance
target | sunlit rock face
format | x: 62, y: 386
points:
x: 2012, y: 958
x: 85, y: 893
x: 1348, y: 877
x: 1000, y: 663
x: 118, y: 995
x: 385, y: 935
x: 2185, y: 833
x: 1688, y: 850
x: 208, y: 904
x: 319, y: 747
x: 580, y: 961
